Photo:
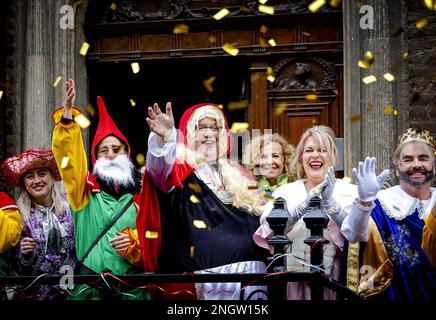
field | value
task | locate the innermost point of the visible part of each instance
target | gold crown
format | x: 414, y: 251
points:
x: 412, y: 134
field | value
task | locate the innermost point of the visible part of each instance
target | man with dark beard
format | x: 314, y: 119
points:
x: 401, y: 239
x: 97, y: 199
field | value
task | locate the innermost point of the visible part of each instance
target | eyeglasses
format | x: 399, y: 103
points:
x: 215, y: 129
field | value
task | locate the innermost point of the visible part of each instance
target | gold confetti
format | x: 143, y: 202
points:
x: 57, y: 80
x: 316, y: 5
x: 235, y: 105
x: 194, y: 199
x: 389, y: 109
x: 1, y: 94
x: 239, y: 127
x: 314, y: 121
x: 181, y: 28
x: 271, y: 78
x: 363, y: 64
x: 194, y: 187
x: 140, y: 159
x: 64, y: 162
x: 421, y: 23
x: 405, y: 56
x: 135, y: 67
x: 212, y: 39
x: 388, y: 76
x: 311, y: 97
x: 268, y: 198
x: 132, y: 102
x: 369, y: 79
x: 220, y: 106
x: 306, y: 34
x: 263, y: 29
x: 346, y: 179
x: 199, y: 224
x: 151, y: 234
x: 221, y: 14
x: 263, y: 1
x: 191, y: 251
x: 208, y: 83
x: 370, y: 107
x: 429, y: 4
x: 279, y: 110
x: 335, y: 3
x: 266, y: 9
x: 269, y: 71
x: 82, y: 121
x: 113, y: 6
x: 356, y: 118
x: 395, y: 113
x: 84, y: 48
x: 272, y: 42
x: 90, y: 109
x: 227, y: 47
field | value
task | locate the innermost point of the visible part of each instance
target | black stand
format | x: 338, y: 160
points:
x: 316, y: 221
x: 277, y: 220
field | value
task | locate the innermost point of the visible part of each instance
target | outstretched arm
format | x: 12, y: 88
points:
x: 161, y: 144
x: 355, y: 225
x: 67, y: 143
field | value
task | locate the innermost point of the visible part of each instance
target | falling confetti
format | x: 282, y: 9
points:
x: 395, y: 113
x: 311, y: 97
x: 263, y: 29
x: 151, y: 234
x: 113, y: 6
x: 135, y: 67
x: 64, y: 162
x: 316, y: 5
x: 221, y: 14
x: 346, y: 179
x: 194, y: 199
x: 279, y: 110
x: 90, y: 109
x: 405, y: 56
x: 305, y: 34
x: 263, y: 1
x: 239, y: 127
x: 82, y: 121
x: 388, y: 76
x: 181, y: 28
x: 370, y: 107
x: 191, y: 251
x: 132, y: 102
x: 389, y: 109
x: 227, y: 47
x: 335, y: 3
x: 421, y: 23
x: 140, y: 159
x: 314, y: 121
x: 363, y: 64
x: 356, y: 118
x: 84, y: 48
x: 272, y: 42
x: 235, y: 105
x: 266, y: 9
x: 57, y: 80
x: 208, y: 84
x: 271, y: 78
x: 199, y: 224
x: 212, y: 39
x: 1, y: 94
x: 194, y: 187
x: 369, y: 79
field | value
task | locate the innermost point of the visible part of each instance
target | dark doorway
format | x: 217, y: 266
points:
x: 179, y: 81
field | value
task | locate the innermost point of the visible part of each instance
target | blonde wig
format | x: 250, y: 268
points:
x: 322, y: 136
x: 25, y: 201
x: 251, y: 155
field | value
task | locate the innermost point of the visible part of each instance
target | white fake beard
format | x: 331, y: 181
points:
x: 117, y: 171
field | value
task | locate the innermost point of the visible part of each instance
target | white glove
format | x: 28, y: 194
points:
x: 368, y: 184
x: 327, y: 190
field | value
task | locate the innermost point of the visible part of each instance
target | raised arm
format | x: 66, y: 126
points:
x: 67, y: 143
x: 161, y: 144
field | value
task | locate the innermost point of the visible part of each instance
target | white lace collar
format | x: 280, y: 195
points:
x: 398, y: 204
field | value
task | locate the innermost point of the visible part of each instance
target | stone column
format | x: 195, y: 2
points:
x: 376, y: 133
x: 46, y: 51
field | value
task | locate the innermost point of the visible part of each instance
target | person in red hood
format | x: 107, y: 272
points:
x: 213, y: 209
x: 97, y: 198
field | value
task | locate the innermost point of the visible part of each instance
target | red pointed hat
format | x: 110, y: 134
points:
x: 106, y: 127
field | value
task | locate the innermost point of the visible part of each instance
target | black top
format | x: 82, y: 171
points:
x: 227, y: 238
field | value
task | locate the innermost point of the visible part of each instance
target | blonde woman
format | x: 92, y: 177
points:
x: 269, y: 158
x: 214, y: 211
x: 47, y: 242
